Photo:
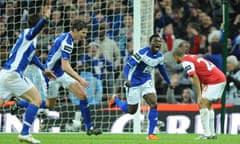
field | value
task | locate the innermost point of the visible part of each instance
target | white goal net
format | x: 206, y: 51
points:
x: 126, y: 25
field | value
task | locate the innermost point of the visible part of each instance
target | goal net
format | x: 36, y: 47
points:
x: 126, y: 25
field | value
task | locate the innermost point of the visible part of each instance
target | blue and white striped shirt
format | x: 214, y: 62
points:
x: 139, y: 66
x: 61, y: 49
x: 23, y: 52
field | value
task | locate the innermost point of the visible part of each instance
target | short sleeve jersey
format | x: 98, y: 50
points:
x: 61, y: 49
x: 207, y: 72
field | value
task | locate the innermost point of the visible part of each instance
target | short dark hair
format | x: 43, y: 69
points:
x: 154, y: 36
x: 178, y: 52
x: 79, y: 25
x: 33, y: 19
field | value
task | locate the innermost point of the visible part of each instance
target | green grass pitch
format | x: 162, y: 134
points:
x: 129, y: 138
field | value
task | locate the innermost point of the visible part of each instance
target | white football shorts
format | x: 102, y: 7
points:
x: 13, y: 84
x: 134, y: 94
x: 213, y: 91
x: 53, y: 86
x: 35, y: 75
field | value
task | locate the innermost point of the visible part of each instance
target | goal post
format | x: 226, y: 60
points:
x: 143, y: 29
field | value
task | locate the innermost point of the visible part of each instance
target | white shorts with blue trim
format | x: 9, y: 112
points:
x: 53, y: 87
x: 13, y: 83
x: 134, y: 94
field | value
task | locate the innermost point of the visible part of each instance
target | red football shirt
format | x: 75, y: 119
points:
x: 207, y: 72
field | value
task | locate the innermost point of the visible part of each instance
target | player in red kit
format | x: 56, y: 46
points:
x: 209, y: 82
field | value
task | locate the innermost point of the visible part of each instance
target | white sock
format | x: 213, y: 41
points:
x: 212, y: 122
x: 204, y: 115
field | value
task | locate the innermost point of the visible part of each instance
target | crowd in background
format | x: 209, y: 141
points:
x: 193, y: 25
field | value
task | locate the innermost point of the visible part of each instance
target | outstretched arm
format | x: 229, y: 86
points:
x: 69, y: 70
x: 38, y: 27
x: 38, y: 63
x: 164, y: 73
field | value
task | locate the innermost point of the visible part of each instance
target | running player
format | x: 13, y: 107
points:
x: 138, y: 80
x: 12, y: 80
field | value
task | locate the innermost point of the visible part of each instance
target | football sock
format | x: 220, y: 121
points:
x: 23, y: 103
x: 123, y: 105
x: 212, y: 121
x: 85, y: 113
x: 153, y: 117
x: 29, y: 117
x: 204, y: 115
x: 43, y: 104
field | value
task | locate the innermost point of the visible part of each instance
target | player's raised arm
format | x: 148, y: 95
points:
x: 46, y: 12
x: 35, y: 29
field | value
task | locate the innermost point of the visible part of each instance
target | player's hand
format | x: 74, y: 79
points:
x: 127, y: 83
x: 201, y: 100
x: 171, y: 86
x: 47, y: 11
x: 84, y: 83
x: 50, y: 74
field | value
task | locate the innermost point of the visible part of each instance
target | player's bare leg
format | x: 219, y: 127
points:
x: 1, y: 102
x: 50, y: 103
x: 132, y: 109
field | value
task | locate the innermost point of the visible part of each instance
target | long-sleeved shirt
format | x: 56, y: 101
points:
x: 23, y: 52
x: 139, y: 66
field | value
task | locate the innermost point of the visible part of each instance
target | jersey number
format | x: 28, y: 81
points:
x: 209, y: 65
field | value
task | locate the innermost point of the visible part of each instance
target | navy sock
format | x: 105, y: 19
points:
x: 86, y: 113
x: 123, y: 105
x: 153, y: 117
x: 43, y: 104
x: 23, y: 103
x: 29, y: 117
